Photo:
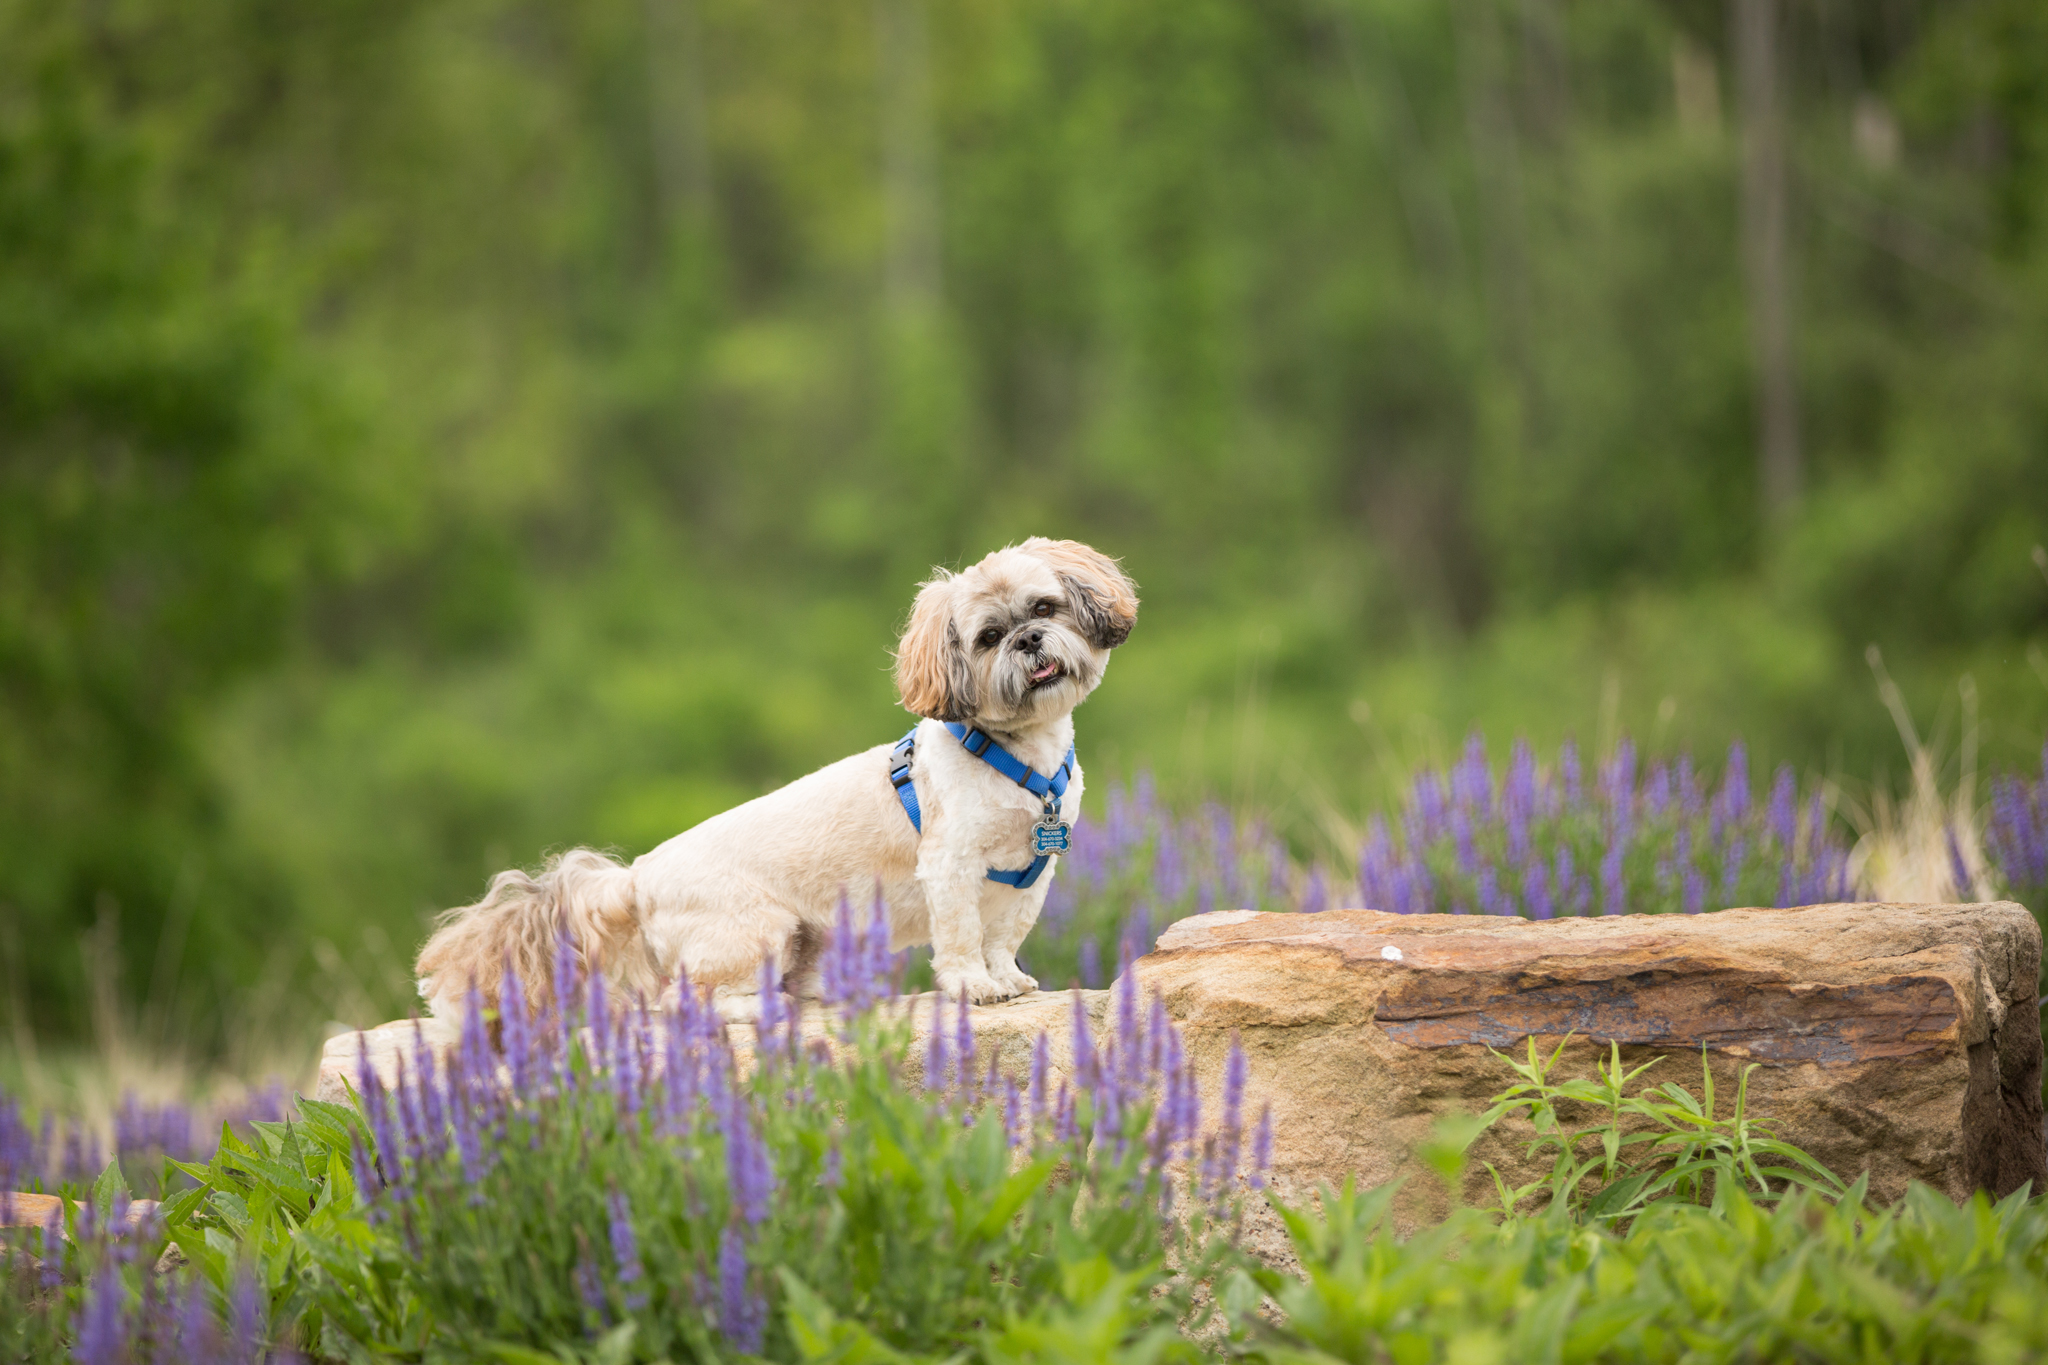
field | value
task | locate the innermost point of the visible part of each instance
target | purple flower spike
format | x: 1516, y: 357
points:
x: 749, y: 1175
x: 1086, y: 1064
x: 1235, y: 1070
x: 1041, y: 1062
x: 1959, y: 870
x: 741, y: 1316
x: 935, y: 1060
x: 362, y: 1169
x: 598, y: 1009
x: 1316, y: 897
x: 1013, y: 1129
x: 250, y: 1316
x: 590, y: 1289
x: 963, y: 1047
x: 1262, y: 1148
x: 1090, y: 965
x: 1064, y: 1128
x: 1128, y: 1043
x: 103, y: 1327
x: 1782, y: 817
x: 515, y: 1029
x: 626, y: 1253
x: 567, y: 984
x: 834, y: 1174
x: 1536, y: 892
x: 1731, y: 868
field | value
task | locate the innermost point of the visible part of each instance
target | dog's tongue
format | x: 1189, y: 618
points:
x: 1042, y: 674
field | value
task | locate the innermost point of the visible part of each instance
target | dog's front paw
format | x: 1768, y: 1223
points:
x: 1013, y: 980
x: 977, y: 987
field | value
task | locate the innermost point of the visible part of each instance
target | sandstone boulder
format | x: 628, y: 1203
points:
x: 1902, y: 1040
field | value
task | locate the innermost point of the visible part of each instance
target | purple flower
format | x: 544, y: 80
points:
x: 1733, y: 804
x: 1234, y: 1073
x: 514, y: 1028
x: 1731, y: 868
x: 1490, y: 900
x: 1262, y: 1148
x: 473, y: 1057
x: 1085, y: 1062
x: 935, y: 1061
x: 1128, y: 1044
x: 1156, y: 1029
x: 363, y: 1170
x: 1568, y: 771
x: 1064, y: 1128
x: 250, y: 1315
x: 626, y: 1252
x: 567, y: 985
x: 741, y: 1316
x: 963, y: 1047
x: 590, y: 1288
x: 1657, y: 791
x: 103, y: 1327
x: 432, y: 1112
x: 1090, y: 964
x: 1959, y: 870
x: 597, y: 1006
x: 1041, y: 1062
x: 1316, y: 898
x: 1536, y: 892
x: 378, y: 1107
x: 749, y: 1175
x: 1013, y: 1130
x: 1781, y: 818
x: 196, y: 1334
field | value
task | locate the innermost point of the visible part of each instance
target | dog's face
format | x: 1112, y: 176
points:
x: 1023, y: 636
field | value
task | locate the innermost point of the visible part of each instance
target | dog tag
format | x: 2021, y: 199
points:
x: 1051, y: 835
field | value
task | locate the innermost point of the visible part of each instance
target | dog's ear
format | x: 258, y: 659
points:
x: 1103, y: 600
x: 932, y: 672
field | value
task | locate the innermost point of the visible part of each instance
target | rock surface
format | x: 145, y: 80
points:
x: 1901, y: 1040
x: 1898, y: 1039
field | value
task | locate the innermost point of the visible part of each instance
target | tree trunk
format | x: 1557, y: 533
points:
x: 909, y: 158
x: 675, y: 110
x: 1766, y: 253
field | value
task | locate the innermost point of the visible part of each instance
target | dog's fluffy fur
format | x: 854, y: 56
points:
x: 1011, y: 645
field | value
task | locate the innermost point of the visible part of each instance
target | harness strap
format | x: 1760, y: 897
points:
x: 899, y: 778
x: 1047, y: 789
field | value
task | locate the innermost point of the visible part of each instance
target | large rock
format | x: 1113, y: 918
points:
x: 1901, y: 1040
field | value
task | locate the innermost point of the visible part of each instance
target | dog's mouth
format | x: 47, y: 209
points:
x: 1048, y: 673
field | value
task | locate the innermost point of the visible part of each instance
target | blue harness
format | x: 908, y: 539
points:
x: 1049, y: 836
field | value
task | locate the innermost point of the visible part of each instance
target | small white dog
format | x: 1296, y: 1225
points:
x: 1001, y: 652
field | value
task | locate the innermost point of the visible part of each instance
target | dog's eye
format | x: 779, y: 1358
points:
x: 1042, y: 609
x: 990, y: 636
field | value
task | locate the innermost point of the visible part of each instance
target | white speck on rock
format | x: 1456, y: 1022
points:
x: 1391, y: 953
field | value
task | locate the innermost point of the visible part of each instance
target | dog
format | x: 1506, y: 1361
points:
x: 1004, y: 650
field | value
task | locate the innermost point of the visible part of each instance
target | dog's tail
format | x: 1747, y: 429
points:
x: 583, y: 895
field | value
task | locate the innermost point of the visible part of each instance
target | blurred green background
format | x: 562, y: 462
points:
x: 435, y: 431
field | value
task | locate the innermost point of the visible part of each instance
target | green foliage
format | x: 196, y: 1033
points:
x: 1688, y: 1151
x: 1808, y: 1279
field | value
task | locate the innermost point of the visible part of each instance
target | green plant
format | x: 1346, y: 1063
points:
x: 1687, y: 1151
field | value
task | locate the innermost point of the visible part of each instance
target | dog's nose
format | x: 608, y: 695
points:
x: 1031, y: 639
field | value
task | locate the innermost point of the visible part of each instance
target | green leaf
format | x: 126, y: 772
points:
x: 110, y: 1186
x: 1014, y: 1194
